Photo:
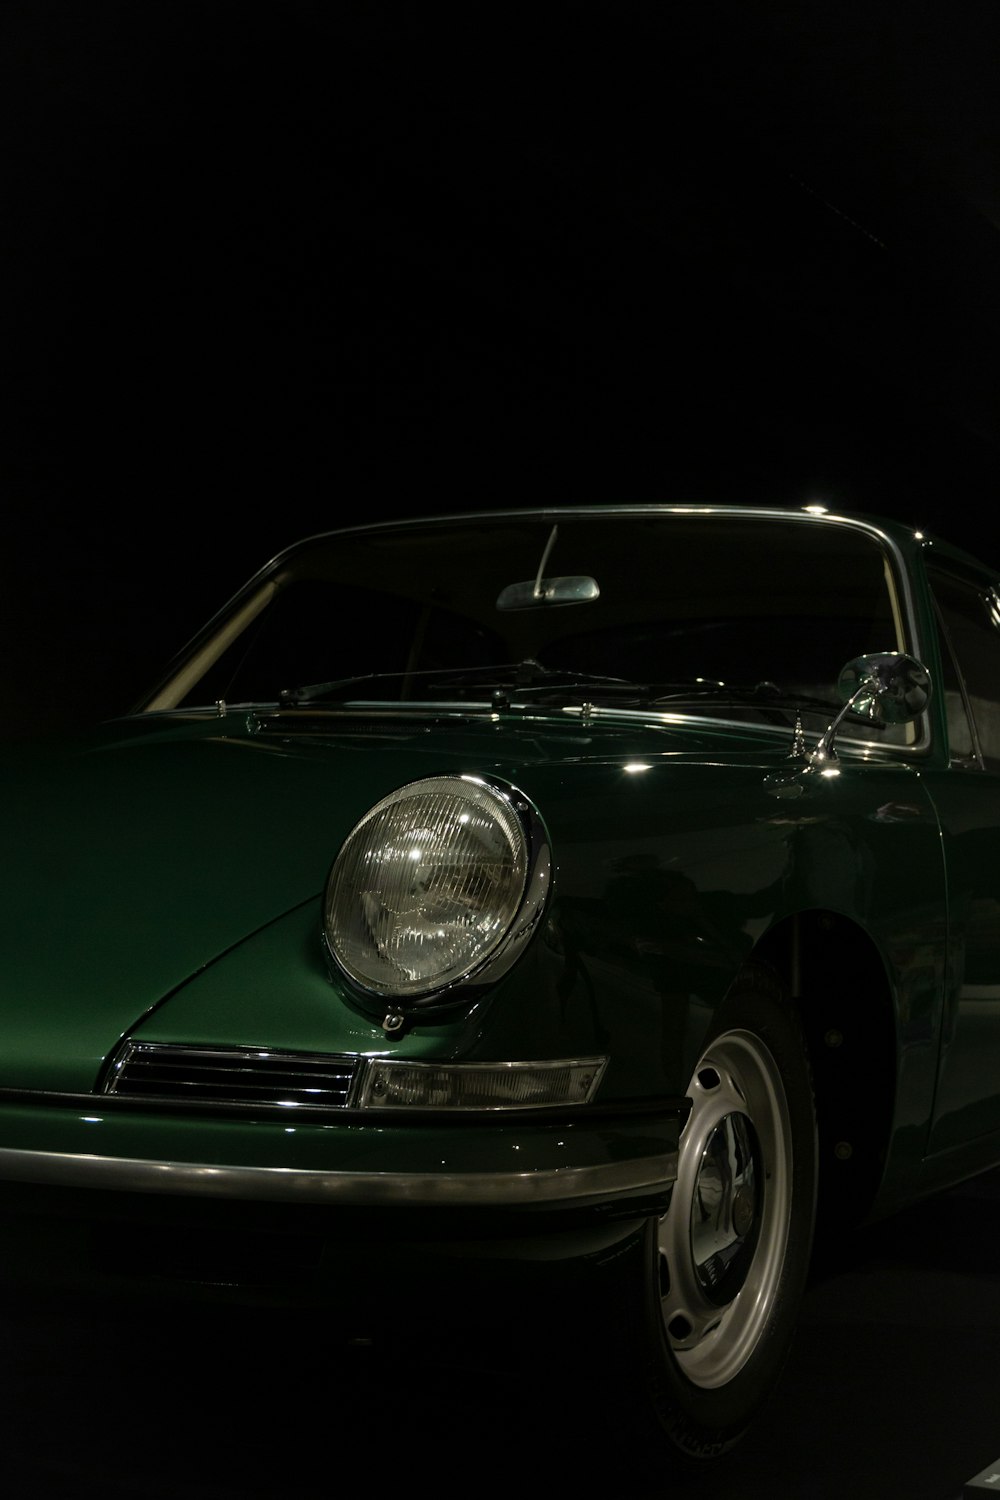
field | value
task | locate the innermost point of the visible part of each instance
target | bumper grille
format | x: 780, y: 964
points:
x: 235, y: 1076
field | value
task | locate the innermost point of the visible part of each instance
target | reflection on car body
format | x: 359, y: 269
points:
x: 599, y: 898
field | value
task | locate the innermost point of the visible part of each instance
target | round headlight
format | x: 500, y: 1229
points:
x: 428, y: 886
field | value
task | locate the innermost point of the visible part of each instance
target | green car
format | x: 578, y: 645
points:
x: 595, y: 903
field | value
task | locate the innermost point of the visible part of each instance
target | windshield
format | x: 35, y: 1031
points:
x: 616, y: 609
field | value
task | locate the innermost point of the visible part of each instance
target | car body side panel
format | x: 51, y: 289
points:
x: 968, y: 1104
x: 677, y: 897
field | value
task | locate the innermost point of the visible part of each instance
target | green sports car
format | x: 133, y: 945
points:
x: 596, y: 902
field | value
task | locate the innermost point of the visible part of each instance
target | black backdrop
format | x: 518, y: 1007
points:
x: 269, y: 268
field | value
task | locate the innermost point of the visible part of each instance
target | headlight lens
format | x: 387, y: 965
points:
x: 427, y: 886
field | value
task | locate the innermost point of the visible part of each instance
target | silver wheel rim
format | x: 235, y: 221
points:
x: 722, y: 1245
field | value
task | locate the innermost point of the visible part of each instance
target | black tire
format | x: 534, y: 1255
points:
x: 710, y: 1297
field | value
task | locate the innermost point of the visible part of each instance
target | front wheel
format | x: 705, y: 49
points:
x: 712, y: 1292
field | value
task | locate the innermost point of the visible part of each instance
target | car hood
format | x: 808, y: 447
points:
x: 141, y: 855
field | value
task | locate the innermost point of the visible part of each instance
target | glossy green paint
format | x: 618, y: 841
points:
x: 177, y: 915
x: 139, y: 857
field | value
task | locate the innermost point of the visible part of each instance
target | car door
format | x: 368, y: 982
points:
x: 967, y: 795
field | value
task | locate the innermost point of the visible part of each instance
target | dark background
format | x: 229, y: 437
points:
x: 270, y: 268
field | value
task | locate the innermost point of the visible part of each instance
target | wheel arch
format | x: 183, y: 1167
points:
x: 834, y: 974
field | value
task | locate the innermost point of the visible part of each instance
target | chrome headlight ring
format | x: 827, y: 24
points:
x: 436, y: 890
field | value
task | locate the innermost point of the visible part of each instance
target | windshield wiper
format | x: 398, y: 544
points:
x: 772, y: 700
x: 760, y: 692
x: 503, y: 683
x: 502, y: 680
x: 532, y: 680
x: 314, y: 692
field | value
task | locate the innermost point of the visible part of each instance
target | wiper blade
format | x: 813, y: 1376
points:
x: 772, y: 700
x: 503, y: 680
x: 760, y: 692
x: 542, y: 684
x: 314, y: 692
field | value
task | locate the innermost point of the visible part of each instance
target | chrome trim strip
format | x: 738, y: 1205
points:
x: 347, y: 1189
x: 254, y: 1077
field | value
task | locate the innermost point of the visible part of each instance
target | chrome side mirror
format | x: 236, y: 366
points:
x: 886, y: 687
x: 889, y: 686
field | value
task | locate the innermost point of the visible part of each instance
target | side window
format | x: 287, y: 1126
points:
x: 969, y: 613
